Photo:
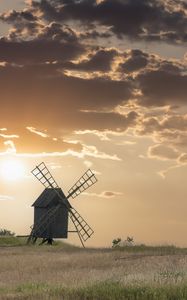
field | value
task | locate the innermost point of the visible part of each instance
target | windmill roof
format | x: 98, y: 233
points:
x: 48, y: 197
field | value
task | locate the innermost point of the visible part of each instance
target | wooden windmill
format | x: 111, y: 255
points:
x: 52, y: 208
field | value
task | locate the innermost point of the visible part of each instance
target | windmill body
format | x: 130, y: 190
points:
x: 58, y: 228
x: 52, y: 208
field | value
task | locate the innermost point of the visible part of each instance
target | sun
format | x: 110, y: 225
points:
x: 12, y: 170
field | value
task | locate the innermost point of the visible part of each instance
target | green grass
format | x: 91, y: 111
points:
x: 135, y: 249
x: 100, y: 291
x: 13, y: 241
x: 8, y: 241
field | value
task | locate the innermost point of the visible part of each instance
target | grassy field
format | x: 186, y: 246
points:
x: 69, y: 273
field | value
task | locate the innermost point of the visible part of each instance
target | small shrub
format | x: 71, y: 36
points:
x: 119, y: 243
x: 6, y: 232
x: 115, y: 242
x: 130, y: 239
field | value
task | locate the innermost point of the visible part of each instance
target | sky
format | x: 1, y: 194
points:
x: 99, y: 85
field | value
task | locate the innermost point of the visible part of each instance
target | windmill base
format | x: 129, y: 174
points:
x: 47, y: 241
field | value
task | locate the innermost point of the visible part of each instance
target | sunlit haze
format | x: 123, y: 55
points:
x: 12, y: 170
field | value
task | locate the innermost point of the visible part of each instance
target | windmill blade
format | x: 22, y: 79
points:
x: 42, y: 173
x: 82, y: 227
x: 84, y: 182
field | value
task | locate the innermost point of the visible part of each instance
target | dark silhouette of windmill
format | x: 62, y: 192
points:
x: 52, y: 208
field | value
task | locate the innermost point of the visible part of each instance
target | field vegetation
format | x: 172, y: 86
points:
x: 66, y: 272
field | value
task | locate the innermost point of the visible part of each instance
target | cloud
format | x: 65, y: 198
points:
x: 102, y: 135
x: 124, y: 143
x: 160, y: 88
x: 98, y: 61
x: 169, y: 129
x: 68, y: 98
x: 35, y: 143
x: 34, y: 130
x: 182, y: 159
x: 155, y: 20
x: 9, y: 136
x: 34, y: 51
x: 10, y: 147
x: 163, y: 152
x: 163, y: 173
x: 104, y: 194
x: 135, y: 61
x: 92, y: 151
x: 58, y: 32
x: 86, y: 99
x: 88, y: 151
x: 6, y: 198
x: 106, y: 135
x: 14, y: 16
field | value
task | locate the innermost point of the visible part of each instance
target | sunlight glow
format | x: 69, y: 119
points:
x: 12, y: 170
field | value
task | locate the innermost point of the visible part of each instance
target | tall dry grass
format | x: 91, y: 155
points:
x: 24, y: 268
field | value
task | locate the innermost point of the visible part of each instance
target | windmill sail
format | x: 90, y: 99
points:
x: 81, y: 225
x: 42, y: 173
x: 87, y: 180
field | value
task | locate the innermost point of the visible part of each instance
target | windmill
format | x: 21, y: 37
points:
x: 52, y: 208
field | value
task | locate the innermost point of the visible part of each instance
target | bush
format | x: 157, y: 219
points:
x: 116, y: 242
x: 5, y: 232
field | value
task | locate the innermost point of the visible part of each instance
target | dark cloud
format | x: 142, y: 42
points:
x: 160, y: 87
x: 160, y: 82
x: 106, y: 121
x: 99, y: 61
x: 24, y: 23
x: 39, y: 94
x: 16, y: 17
x: 94, y: 34
x: 135, y: 61
x: 39, y: 50
x: 169, y: 67
x: 55, y: 31
x: 96, y: 93
x: 38, y: 86
x: 142, y: 19
x: 49, y: 9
